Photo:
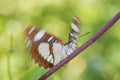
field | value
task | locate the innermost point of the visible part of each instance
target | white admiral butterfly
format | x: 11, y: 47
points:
x: 47, y: 50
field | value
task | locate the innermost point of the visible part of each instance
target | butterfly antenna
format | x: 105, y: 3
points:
x: 83, y: 35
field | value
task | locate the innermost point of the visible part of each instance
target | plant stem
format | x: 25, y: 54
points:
x: 8, y: 67
x: 8, y: 57
x: 83, y: 47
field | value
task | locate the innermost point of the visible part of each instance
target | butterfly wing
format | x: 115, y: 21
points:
x: 71, y: 45
x: 45, y: 49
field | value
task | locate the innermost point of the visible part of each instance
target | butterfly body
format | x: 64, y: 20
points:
x: 47, y: 50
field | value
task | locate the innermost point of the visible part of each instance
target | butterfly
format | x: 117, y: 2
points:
x: 47, y: 50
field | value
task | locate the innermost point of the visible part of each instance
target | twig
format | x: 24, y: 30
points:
x: 83, y: 47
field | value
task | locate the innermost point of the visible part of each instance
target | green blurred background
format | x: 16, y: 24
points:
x: 101, y: 61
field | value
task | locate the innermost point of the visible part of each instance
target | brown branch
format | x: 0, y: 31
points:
x: 83, y: 47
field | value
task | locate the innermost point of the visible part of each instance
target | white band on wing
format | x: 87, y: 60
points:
x: 39, y: 35
x: 74, y: 27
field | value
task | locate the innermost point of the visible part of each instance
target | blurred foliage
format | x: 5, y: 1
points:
x: 99, y: 62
